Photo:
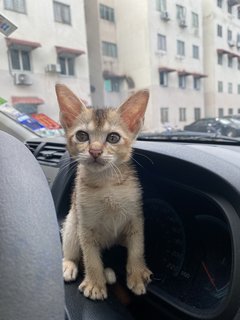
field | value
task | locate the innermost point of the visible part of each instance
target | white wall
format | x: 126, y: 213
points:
x: 38, y: 25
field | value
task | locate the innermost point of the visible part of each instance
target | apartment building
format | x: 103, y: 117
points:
x: 177, y: 70
x: 148, y: 44
x: 221, y: 28
x: 49, y: 46
x: 109, y: 85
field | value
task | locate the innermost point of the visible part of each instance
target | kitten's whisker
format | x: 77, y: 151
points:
x: 119, y: 171
x: 113, y: 166
x: 137, y: 162
x: 143, y: 155
x: 67, y: 165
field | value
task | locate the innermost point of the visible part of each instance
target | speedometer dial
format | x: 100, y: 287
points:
x: 165, y: 239
x: 211, y: 282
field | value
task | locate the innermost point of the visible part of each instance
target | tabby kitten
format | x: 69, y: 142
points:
x: 106, y: 204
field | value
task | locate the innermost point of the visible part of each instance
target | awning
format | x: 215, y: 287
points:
x: 191, y: 73
x: 223, y: 51
x: 184, y: 73
x: 199, y: 75
x: 111, y: 75
x: 231, y: 54
x: 234, y: 55
x: 12, y: 42
x: 166, y: 69
x: 27, y: 100
x: 70, y: 51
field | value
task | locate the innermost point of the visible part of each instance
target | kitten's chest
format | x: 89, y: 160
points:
x: 107, y: 199
x: 106, y: 212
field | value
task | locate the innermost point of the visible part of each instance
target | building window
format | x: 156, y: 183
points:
x: 230, y: 61
x: 220, y: 86
x: 230, y: 111
x: 106, y: 13
x: 230, y: 87
x: 219, y: 31
x: 196, y: 83
x: 182, y: 81
x: 15, y: 5
x: 238, y: 39
x: 197, y: 114
x: 238, y: 111
x: 164, y: 115
x: 20, y: 60
x: 181, y: 12
x: 180, y: 48
x: 219, y: 3
x: 62, y: 12
x: 229, y: 8
x: 109, y: 49
x: 220, y: 58
x: 161, y: 5
x: 195, y: 52
x: 229, y: 35
x: 163, y: 78
x: 238, y: 64
x: 112, y: 85
x: 182, y: 114
x: 238, y: 88
x: 162, y: 42
x: 220, y: 112
x: 195, y: 22
x: 67, y: 65
x: 238, y: 12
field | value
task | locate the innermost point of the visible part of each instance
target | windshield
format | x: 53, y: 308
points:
x: 187, y: 54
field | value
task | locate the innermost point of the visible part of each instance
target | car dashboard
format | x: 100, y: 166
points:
x: 191, y: 202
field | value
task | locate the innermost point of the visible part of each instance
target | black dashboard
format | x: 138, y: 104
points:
x: 191, y: 201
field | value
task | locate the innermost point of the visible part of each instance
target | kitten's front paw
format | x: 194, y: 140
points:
x: 92, y: 290
x: 137, y: 280
x: 70, y: 270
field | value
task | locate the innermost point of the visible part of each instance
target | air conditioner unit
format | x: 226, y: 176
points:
x: 164, y: 16
x: 182, y: 23
x: 22, y: 79
x: 53, y: 68
x: 231, y: 43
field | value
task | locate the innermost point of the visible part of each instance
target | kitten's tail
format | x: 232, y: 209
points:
x: 110, y: 276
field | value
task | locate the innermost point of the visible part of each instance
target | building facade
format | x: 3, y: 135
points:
x: 48, y: 47
x: 148, y: 44
x: 221, y: 27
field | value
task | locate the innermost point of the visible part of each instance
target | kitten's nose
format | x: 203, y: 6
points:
x: 95, y: 153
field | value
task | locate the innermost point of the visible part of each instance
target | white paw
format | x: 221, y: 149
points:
x: 70, y: 270
x: 92, y: 290
x: 110, y: 276
x: 138, y: 280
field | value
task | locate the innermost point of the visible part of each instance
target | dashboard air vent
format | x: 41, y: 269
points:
x: 32, y: 145
x: 51, y: 154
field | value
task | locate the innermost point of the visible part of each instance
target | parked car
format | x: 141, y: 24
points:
x: 220, y: 126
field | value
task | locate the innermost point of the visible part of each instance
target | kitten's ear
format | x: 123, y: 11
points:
x: 69, y: 104
x: 132, y: 111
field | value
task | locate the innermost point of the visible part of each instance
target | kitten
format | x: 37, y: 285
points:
x: 106, y: 204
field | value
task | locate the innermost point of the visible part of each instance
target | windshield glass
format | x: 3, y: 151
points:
x: 187, y: 54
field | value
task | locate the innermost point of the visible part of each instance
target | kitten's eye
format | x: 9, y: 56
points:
x: 82, y: 136
x: 113, y: 137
